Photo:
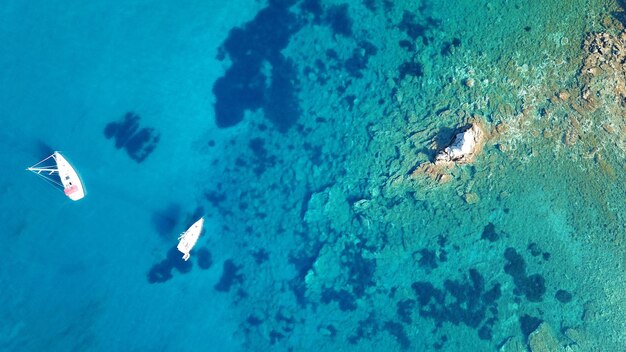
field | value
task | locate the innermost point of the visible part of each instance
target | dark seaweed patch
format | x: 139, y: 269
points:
x: 260, y: 77
x: 563, y: 296
x: 230, y: 276
x: 410, y: 68
x: 388, y: 4
x: 397, y: 331
x: 464, y: 301
x: 515, y: 266
x: 414, y: 29
x: 262, y: 159
x: 360, y: 57
x: 319, y: 72
x: 162, y: 271
x: 534, y: 249
x: 338, y: 19
x: 138, y: 142
x: 491, y: 296
x: 449, y: 46
x: 439, y: 344
x: 350, y: 99
x: 275, y: 336
x: 345, y: 299
x: 282, y: 106
x: 331, y: 54
x: 528, y: 324
x: 427, y: 260
x: 253, y: 320
x: 370, y: 5
x: 407, y: 45
x: 260, y: 256
x: 484, y: 333
x: 366, y: 329
x: 303, y: 262
x: 360, y: 271
x: 533, y: 286
x: 442, y: 240
x: 216, y: 198
x: 313, y: 7
x: 404, y: 310
x: 285, y: 321
x: 489, y: 233
x: 315, y: 153
x: 205, y: 260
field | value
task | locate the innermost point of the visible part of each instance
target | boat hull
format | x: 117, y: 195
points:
x: 188, y: 239
x: 72, y: 185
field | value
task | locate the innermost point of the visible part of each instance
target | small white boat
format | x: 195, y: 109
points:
x: 70, y: 183
x: 189, y: 238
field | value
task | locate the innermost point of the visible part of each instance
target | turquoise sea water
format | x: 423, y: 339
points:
x: 296, y: 128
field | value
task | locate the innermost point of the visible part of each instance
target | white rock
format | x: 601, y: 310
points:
x: 464, y: 147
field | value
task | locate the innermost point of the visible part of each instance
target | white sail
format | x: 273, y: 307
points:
x: 61, y: 175
x: 189, y: 238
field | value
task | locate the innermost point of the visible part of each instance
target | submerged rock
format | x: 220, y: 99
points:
x: 544, y: 340
x: 464, y: 148
x: 513, y: 344
x: 435, y: 172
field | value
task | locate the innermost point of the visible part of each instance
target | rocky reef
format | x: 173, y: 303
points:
x: 344, y: 238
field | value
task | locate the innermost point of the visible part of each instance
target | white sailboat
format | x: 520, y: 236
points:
x: 65, y: 177
x: 189, y: 238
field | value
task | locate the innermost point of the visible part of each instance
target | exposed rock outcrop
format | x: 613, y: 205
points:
x: 464, y: 148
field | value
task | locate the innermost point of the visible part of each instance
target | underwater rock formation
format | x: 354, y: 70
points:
x: 464, y: 148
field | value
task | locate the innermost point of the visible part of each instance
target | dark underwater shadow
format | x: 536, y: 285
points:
x: 43, y: 149
x: 165, y: 220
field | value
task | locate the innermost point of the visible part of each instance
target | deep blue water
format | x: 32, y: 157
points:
x: 296, y: 128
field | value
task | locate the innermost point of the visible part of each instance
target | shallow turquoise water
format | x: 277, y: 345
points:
x: 294, y: 127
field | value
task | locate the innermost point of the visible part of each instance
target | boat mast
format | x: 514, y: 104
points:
x: 49, y: 170
x: 38, y: 170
